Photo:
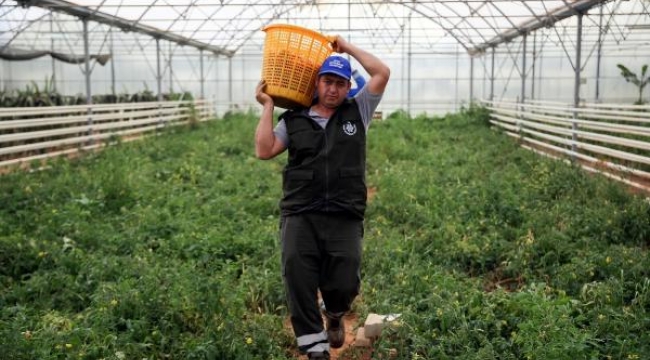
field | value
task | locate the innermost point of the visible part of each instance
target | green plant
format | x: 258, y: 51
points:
x: 640, y: 81
x: 192, y: 116
x: 477, y: 112
x: 167, y: 248
x: 398, y: 114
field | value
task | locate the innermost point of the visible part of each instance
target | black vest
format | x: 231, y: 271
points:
x: 326, y: 167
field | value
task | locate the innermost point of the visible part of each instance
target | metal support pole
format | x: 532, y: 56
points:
x: 53, y: 84
x: 159, y: 81
x: 112, y: 60
x: 456, y: 80
x: 471, y: 80
x: 8, y: 80
x: 171, y: 71
x: 492, y: 76
x: 243, y: 75
x: 349, y: 25
x: 230, y: 104
x: 158, y: 74
x: 218, y: 95
x: 484, y: 81
x: 532, y: 77
x: 599, y: 54
x: 576, y: 85
x: 89, y: 97
x: 403, y: 78
x: 539, y: 74
x: 523, y: 70
x: 408, y: 89
x: 522, y: 95
x: 202, y: 76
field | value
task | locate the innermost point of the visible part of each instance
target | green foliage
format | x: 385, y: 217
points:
x: 193, y: 116
x: 183, y: 96
x: 167, y: 248
x: 476, y: 217
x: 33, y: 96
x: 398, y: 114
x: 640, y: 81
x: 477, y: 112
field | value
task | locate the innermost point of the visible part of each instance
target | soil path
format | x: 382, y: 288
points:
x: 347, y: 351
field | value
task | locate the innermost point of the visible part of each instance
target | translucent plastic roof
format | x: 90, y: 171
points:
x: 228, y: 26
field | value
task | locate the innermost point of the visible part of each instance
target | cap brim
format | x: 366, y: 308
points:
x: 332, y: 72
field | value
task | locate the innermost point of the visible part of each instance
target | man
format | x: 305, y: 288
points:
x: 324, y: 199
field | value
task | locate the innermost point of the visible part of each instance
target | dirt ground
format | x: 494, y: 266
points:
x: 348, y: 351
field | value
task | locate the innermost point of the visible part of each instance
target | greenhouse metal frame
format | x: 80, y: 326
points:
x: 524, y: 60
x: 415, y: 37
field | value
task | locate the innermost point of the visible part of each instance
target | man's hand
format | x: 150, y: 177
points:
x: 261, y: 96
x: 378, y: 71
x: 339, y: 44
x: 267, y: 146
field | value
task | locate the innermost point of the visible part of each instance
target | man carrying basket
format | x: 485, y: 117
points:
x: 324, y: 201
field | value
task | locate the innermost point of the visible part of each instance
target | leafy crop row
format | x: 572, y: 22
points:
x: 33, y: 96
x: 167, y: 248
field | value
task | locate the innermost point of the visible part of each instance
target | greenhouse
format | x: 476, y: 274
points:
x: 442, y: 47
x: 507, y: 174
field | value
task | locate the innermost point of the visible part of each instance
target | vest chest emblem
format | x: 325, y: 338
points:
x: 349, y: 128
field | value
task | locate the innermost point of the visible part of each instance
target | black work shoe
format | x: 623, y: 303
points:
x: 335, y: 331
x: 318, y: 355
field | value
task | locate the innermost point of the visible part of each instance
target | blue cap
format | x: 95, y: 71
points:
x: 336, y: 65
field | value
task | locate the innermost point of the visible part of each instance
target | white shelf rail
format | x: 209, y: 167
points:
x: 30, y: 134
x: 610, y: 139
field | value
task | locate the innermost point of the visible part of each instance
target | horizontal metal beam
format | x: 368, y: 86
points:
x: 85, y: 12
x: 547, y: 20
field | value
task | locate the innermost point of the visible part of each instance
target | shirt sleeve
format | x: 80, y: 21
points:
x: 367, y: 105
x: 280, y: 132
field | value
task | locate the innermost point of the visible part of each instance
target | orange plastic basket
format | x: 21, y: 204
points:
x: 292, y: 57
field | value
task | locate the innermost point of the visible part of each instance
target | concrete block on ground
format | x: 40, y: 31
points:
x: 361, y: 340
x: 373, y: 325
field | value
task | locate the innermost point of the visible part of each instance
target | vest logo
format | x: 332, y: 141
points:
x: 349, y: 128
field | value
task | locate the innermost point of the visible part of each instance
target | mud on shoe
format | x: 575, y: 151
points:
x: 335, y: 331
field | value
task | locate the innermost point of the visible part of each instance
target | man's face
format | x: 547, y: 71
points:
x: 332, y: 90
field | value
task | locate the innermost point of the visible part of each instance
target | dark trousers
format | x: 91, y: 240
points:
x: 319, y: 251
